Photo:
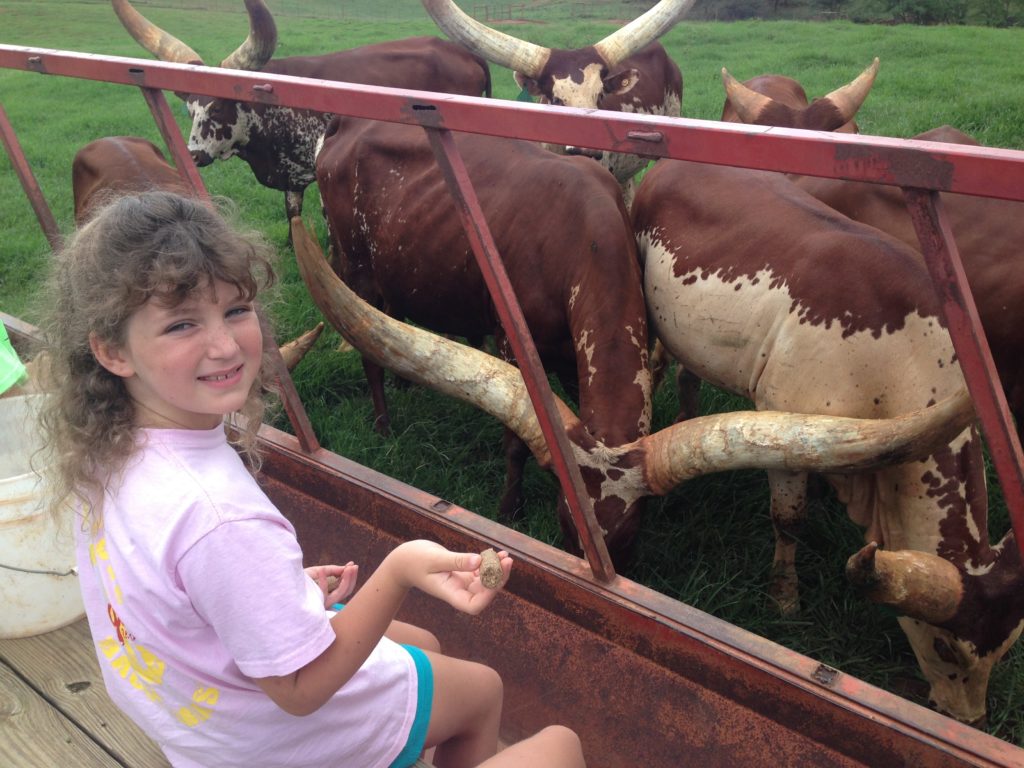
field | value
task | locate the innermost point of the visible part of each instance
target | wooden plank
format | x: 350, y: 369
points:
x: 34, y: 733
x: 61, y: 666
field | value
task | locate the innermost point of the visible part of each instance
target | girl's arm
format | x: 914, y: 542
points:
x: 448, y: 576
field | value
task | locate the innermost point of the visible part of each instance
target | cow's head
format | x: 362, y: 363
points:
x: 219, y: 126
x: 961, y: 614
x: 618, y: 477
x: 582, y: 78
x: 775, y: 100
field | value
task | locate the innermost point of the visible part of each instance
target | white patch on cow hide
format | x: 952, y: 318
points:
x: 749, y: 336
x: 585, y: 345
x: 574, y: 293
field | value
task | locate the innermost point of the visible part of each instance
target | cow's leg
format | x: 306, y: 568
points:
x: 688, y: 386
x: 293, y: 203
x: 516, y: 453
x: 789, y: 509
x: 375, y: 380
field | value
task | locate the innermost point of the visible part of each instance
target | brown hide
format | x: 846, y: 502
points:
x: 759, y: 288
x: 790, y: 107
x: 563, y: 234
x: 279, y: 143
x: 118, y: 165
x: 989, y: 234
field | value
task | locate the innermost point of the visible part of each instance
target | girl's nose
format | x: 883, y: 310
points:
x: 221, y: 342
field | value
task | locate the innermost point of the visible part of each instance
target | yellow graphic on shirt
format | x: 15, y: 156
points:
x: 133, y: 662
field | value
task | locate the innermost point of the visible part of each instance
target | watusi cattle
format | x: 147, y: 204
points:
x: 279, y: 143
x: 563, y: 233
x: 989, y: 235
x: 627, y: 71
x: 781, y: 101
x: 118, y: 165
x: 762, y: 290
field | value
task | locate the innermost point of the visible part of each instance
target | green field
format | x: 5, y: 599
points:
x: 709, y: 543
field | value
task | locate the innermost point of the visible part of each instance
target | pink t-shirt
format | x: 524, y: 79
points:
x: 193, y: 587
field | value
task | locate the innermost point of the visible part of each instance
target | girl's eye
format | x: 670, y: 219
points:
x: 178, y: 327
x: 238, y: 311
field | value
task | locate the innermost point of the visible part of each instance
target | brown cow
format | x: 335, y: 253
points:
x: 627, y: 71
x: 781, y: 101
x: 279, y: 143
x: 118, y: 165
x: 762, y: 290
x: 989, y: 234
x: 570, y: 254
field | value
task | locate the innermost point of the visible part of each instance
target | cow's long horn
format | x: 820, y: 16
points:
x: 454, y: 369
x: 162, y: 45
x: 792, y: 441
x: 848, y: 99
x: 918, y: 584
x: 296, y: 349
x: 624, y: 42
x: 255, y: 52
x: 748, y: 103
x: 497, y: 47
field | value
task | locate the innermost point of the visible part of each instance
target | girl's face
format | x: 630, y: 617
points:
x: 190, y: 365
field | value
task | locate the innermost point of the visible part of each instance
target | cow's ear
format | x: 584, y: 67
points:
x: 527, y: 84
x: 621, y: 82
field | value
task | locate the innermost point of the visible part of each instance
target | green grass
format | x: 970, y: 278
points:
x: 708, y: 543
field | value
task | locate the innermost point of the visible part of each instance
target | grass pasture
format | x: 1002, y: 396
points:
x: 709, y: 543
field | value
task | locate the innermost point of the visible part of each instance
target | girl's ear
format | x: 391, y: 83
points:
x: 110, y: 356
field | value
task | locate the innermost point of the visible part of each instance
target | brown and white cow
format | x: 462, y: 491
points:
x: 762, y: 290
x: 118, y: 165
x: 279, y: 143
x: 989, y: 234
x: 781, y: 101
x: 627, y: 71
x: 397, y: 240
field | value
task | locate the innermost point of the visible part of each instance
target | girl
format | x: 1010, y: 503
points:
x: 210, y: 634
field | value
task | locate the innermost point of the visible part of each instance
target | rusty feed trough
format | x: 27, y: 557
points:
x: 643, y: 678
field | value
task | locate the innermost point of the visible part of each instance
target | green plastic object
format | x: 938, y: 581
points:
x: 11, y: 370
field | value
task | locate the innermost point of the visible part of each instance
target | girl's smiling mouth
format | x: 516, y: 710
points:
x: 225, y: 377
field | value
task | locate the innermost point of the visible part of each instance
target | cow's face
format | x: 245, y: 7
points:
x: 219, y: 129
x: 578, y: 79
x: 956, y: 671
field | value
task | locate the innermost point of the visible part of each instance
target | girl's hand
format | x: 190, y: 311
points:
x: 342, y: 577
x: 453, y: 577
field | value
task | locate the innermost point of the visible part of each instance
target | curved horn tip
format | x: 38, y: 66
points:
x: 860, y: 568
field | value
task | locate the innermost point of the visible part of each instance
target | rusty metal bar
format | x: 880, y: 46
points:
x: 168, y: 127
x: 564, y: 462
x: 943, y: 259
x: 28, y: 181
x: 982, y: 171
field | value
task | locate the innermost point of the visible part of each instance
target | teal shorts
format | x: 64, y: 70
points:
x: 424, y: 701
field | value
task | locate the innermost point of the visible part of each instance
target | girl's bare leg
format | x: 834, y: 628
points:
x: 554, y: 747
x: 410, y: 634
x: 466, y: 712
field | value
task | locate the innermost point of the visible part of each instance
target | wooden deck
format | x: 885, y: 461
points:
x: 54, y: 710
x: 55, y: 713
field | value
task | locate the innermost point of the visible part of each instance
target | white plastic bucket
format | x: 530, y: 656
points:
x: 38, y: 581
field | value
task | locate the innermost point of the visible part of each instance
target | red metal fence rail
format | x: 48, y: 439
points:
x: 922, y: 169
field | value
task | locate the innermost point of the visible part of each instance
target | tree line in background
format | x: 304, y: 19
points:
x: 989, y: 13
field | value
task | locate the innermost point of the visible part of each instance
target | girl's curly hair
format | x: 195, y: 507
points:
x: 153, y: 244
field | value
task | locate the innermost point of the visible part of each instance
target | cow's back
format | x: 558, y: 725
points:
x: 116, y: 165
x: 761, y: 289
x: 989, y: 234
x: 420, y: 63
x: 401, y: 231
